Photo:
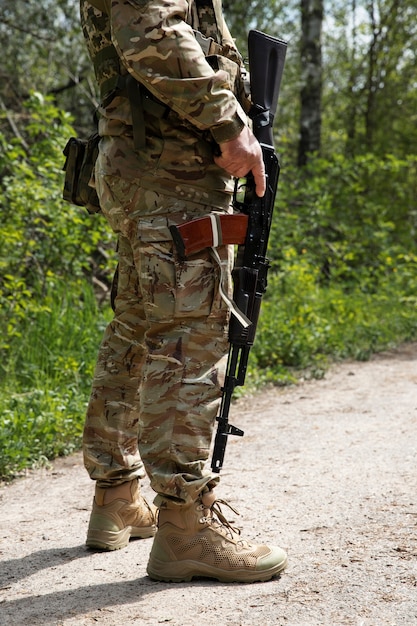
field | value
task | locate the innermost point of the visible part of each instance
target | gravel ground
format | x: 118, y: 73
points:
x: 327, y: 470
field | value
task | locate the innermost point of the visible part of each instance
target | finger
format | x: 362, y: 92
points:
x: 260, y: 181
x: 232, y: 168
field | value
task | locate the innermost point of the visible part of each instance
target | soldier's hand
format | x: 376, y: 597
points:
x: 242, y: 155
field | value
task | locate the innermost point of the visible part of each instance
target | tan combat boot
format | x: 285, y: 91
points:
x: 118, y: 514
x: 198, y: 541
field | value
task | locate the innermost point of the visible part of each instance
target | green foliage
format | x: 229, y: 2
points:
x: 50, y: 325
x: 48, y: 375
x: 304, y: 326
x: 354, y: 220
x: 369, y: 95
x: 44, y: 239
x: 343, y: 281
x: 43, y: 50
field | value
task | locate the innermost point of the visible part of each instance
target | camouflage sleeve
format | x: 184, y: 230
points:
x: 158, y: 48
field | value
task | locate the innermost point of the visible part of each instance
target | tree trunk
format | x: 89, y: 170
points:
x: 311, y: 72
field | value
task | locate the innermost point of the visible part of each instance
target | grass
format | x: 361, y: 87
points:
x: 303, y: 327
x: 46, y: 380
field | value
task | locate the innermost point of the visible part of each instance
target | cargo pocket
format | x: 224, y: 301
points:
x: 196, y: 279
x: 173, y: 288
x: 156, y: 269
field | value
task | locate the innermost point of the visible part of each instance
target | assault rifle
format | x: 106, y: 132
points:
x: 249, y: 228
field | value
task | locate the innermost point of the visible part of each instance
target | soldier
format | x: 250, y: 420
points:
x: 171, y: 98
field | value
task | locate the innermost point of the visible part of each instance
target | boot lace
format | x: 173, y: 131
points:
x: 216, y: 518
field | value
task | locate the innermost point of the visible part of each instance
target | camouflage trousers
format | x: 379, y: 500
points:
x: 161, y: 364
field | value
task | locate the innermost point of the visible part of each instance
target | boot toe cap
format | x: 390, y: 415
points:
x: 276, y: 560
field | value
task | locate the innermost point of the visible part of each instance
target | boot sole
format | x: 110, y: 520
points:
x: 108, y: 540
x: 185, y: 571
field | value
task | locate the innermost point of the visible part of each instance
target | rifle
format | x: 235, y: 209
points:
x: 249, y: 228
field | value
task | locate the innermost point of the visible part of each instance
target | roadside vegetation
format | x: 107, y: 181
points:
x: 343, y: 276
x: 342, y: 283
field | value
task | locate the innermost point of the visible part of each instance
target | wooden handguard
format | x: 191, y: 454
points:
x: 209, y: 232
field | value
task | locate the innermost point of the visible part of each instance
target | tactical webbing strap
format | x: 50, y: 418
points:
x: 125, y: 85
x: 207, y: 44
x: 207, y: 16
x: 101, y: 5
x: 107, y: 57
x: 140, y: 99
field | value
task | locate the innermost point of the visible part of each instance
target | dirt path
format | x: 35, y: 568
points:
x: 326, y: 470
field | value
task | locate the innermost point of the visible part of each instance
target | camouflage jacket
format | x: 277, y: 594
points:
x: 156, y: 44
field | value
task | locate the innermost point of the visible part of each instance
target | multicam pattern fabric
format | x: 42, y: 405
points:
x: 157, y: 384
x: 160, y: 50
x: 161, y: 363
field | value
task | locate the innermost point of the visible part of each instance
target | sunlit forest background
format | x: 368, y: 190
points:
x: 343, y: 278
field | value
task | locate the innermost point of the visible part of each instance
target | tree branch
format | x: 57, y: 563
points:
x: 13, y: 125
x: 26, y: 30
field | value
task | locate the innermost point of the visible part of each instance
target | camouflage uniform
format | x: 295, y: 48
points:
x: 157, y: 383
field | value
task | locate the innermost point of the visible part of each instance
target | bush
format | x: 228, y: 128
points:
x: 353, y: 220
x: 50, y: 324
x: 44, y: 239
x: 48, y: 375
x: 343, y: 282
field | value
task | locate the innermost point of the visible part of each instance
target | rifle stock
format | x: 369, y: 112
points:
x: 209, y: 231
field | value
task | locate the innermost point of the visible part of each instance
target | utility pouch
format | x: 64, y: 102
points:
x: 81, y: 156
